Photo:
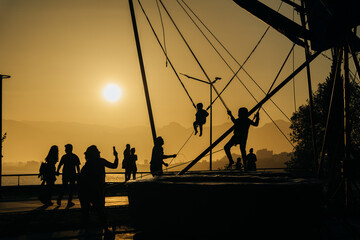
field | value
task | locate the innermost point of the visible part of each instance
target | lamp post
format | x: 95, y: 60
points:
x: 211, y: 83
x: 1, y: 133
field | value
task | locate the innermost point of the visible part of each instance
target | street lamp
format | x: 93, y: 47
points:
x: 1, y: 78
x: 211, y: 83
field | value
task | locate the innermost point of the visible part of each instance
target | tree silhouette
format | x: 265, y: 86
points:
x: 301, y: 129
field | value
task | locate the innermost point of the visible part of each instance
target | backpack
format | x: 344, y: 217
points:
x: 42, y: 170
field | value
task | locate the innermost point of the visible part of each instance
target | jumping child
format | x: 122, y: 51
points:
x: 241, y: 130
x: 200, y: 120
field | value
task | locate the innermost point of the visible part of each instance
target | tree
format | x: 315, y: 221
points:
x: 303, y: 157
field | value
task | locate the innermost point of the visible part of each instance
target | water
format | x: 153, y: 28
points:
x: 34, y: 180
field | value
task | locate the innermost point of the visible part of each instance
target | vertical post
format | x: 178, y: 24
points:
x: 311, y: 105
x: 347, y: 130
x: 142, y: 68
x: 211, y: 112
x: 1, y: 132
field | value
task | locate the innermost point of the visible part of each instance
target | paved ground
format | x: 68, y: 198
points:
x: 31, y: 205
x: 30, y: 219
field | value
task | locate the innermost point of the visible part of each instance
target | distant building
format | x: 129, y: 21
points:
x: 264, y: 154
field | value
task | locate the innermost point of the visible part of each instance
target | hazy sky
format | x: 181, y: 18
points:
x: 61, y: 54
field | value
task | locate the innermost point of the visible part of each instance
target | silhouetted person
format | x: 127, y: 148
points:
x: 71, y: 164
x: 157, y: 157
x: 48, y: 175
x: 251, y: 160
x: 131, y: 166
x: 200, y: 118
x: 238, y: 165
x: 241, y: 130
x: 92, y: 184
x: 126, y: 157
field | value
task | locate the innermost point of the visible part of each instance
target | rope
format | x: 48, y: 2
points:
x: 354, y: 75
x: 281, y: 68
x: 162, y: 48
x: 322, y: 152
x: 193, y: 54
x: 215, y: 51
x: 163, y: 29
x: 241, y: 66
x: 293, y: 66
x: 228, y: 53
x: 182, y: 146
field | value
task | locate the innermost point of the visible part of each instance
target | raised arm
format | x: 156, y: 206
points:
x: 255, y: 122
x: 169, y: 156
x: 116, y: 161
x: 231, y: 116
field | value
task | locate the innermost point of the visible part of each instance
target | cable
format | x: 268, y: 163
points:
x: 193, y: 54
x: 172, y: 66
x: 242, y: 65
x: 229, y: 54
x: 293, y: 68
x: 182, y: 147
x: 163, y: 30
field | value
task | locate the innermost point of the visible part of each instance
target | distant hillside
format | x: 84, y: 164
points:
x: 30, y: 141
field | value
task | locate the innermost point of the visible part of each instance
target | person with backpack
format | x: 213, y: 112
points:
x: 47, y: 173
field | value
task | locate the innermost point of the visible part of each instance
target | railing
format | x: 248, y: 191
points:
x: 18, y: 179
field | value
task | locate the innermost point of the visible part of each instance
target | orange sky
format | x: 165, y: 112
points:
x: 61, y: 54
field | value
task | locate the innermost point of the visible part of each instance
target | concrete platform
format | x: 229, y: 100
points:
x: 35, y: 205
x: 23, y: 216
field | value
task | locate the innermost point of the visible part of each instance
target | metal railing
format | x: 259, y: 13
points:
x: 18, y: 179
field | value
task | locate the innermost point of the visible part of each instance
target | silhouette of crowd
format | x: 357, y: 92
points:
x: 90, y: 179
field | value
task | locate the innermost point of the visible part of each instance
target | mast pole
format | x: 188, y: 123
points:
x: 211, y: 125
x: 142, y: 68
x: 347, y: 125
x: 311, y: 102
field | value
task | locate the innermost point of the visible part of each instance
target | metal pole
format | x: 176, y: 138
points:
x: 336, y: 62
x: 142, y: 68
x: 1, y: 132
x: 257, y: 106
x: 347, y: 130
x: 356, y: 61
x: 311, y: 103
x: 211, y: 112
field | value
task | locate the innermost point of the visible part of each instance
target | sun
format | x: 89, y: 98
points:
x: 112, y: 92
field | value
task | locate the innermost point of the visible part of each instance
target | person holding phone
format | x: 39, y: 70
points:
x: 92, y: 184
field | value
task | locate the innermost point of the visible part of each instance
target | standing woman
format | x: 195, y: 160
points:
x: 48, y: 172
